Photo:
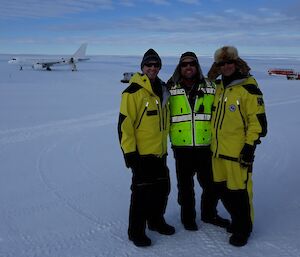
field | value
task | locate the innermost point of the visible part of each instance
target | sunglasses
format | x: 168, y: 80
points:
x: 152, y: 64
x: 220, y: 64
x: 185, y: 64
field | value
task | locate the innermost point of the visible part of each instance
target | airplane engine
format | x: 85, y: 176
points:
x: 37, y: 66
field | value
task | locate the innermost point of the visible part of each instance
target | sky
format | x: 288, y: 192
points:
x: 130, y: 27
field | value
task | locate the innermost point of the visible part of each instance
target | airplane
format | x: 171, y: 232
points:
x: 36, y: 63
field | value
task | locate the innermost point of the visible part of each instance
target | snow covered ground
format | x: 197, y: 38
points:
x: 64, y: 190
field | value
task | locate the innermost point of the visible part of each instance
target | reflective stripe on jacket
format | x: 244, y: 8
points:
x: 238, y: 117
x: 191, y: 127
x: 144, y: 120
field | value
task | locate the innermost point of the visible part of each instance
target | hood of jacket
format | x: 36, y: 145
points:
x: 143, y: 80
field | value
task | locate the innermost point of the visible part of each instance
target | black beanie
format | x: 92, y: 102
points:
x: 149, y: 56
x: 176, y: 77
x: 186, y: 55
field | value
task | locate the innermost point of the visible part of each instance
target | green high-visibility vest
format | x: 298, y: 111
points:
x: 191, y: 127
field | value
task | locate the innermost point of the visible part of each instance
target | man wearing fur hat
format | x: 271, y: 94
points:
x: 190, y: 105
x: 143, y: 130
x: 238, y: 122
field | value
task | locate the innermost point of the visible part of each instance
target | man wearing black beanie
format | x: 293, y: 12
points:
x: 143, y: 130
x: 149, y: 56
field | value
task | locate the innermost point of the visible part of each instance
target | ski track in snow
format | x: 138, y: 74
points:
x: 71, y: 203
x: 65, y: 126
x: 46, y: 246
x: 110, y: 229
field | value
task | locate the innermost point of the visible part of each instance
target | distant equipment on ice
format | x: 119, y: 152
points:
x: 293, y: 76
x: 127, y: 76
x: 289, y: 73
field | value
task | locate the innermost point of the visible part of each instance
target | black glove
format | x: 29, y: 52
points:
x: 247, y: 155
x: 131, y: 160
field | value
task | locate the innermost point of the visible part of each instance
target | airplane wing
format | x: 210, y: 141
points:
x: 47, y: 64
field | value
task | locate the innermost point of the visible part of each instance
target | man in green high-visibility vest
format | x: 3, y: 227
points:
x: 191, y: 100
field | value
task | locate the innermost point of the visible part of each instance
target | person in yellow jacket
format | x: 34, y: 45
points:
x: 191, y: 100
x: 238, y: 123
x: 143, y: 130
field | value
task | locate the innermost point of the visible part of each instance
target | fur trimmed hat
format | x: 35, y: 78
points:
x: 227, y: 53
x: 149, y: 56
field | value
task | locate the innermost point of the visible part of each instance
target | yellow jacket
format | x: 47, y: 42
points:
x: 238, y: 117
x: 144, y: 120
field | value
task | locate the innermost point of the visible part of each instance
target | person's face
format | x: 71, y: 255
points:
x: 227, y: 68
x: 188, y: 68
x: 151, y: 69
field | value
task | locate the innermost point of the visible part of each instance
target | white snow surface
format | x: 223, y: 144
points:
x: 64, y: 188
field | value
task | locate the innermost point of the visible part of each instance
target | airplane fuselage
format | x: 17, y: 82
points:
x: 47, y: 63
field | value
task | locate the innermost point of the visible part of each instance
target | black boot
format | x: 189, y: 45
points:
x: 192, y: 226
x: 217, y: 221
x: 238, y: 240
x: 229, y: 229
x: 161, y: 227
x: 140, y: 240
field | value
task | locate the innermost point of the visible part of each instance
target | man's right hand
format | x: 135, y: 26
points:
x: 131, y: 160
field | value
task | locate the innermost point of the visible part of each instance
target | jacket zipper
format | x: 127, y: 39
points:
x: 159, y: 114
x: 193, y: 122
x: 218, y: 117
x: 224, y: 110
x: 165, y: 118
x: 162, y: 123
x: 243, y: 119
x: 142, y: 115
x: 217, y: 111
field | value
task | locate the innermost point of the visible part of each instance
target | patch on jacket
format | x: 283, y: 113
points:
x: 232, y: 108
x: 151, y: 113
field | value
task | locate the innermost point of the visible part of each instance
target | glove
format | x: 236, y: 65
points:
x: 247, y: 155
x: 131, y: 160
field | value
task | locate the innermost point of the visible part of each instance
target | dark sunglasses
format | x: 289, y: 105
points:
x: 220, y: 64
x: 185, y: 64
x: 152, y: 64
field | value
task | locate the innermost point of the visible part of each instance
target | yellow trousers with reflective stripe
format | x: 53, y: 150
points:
x: 235, y: 177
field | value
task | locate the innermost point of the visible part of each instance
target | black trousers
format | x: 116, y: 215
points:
x: 150, y: 189
x: 237, y: 204
x: 190, y: 162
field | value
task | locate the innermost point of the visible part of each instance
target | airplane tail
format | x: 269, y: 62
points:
x: 80, y: 53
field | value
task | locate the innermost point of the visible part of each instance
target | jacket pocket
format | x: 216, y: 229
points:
x: 145, y: 109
